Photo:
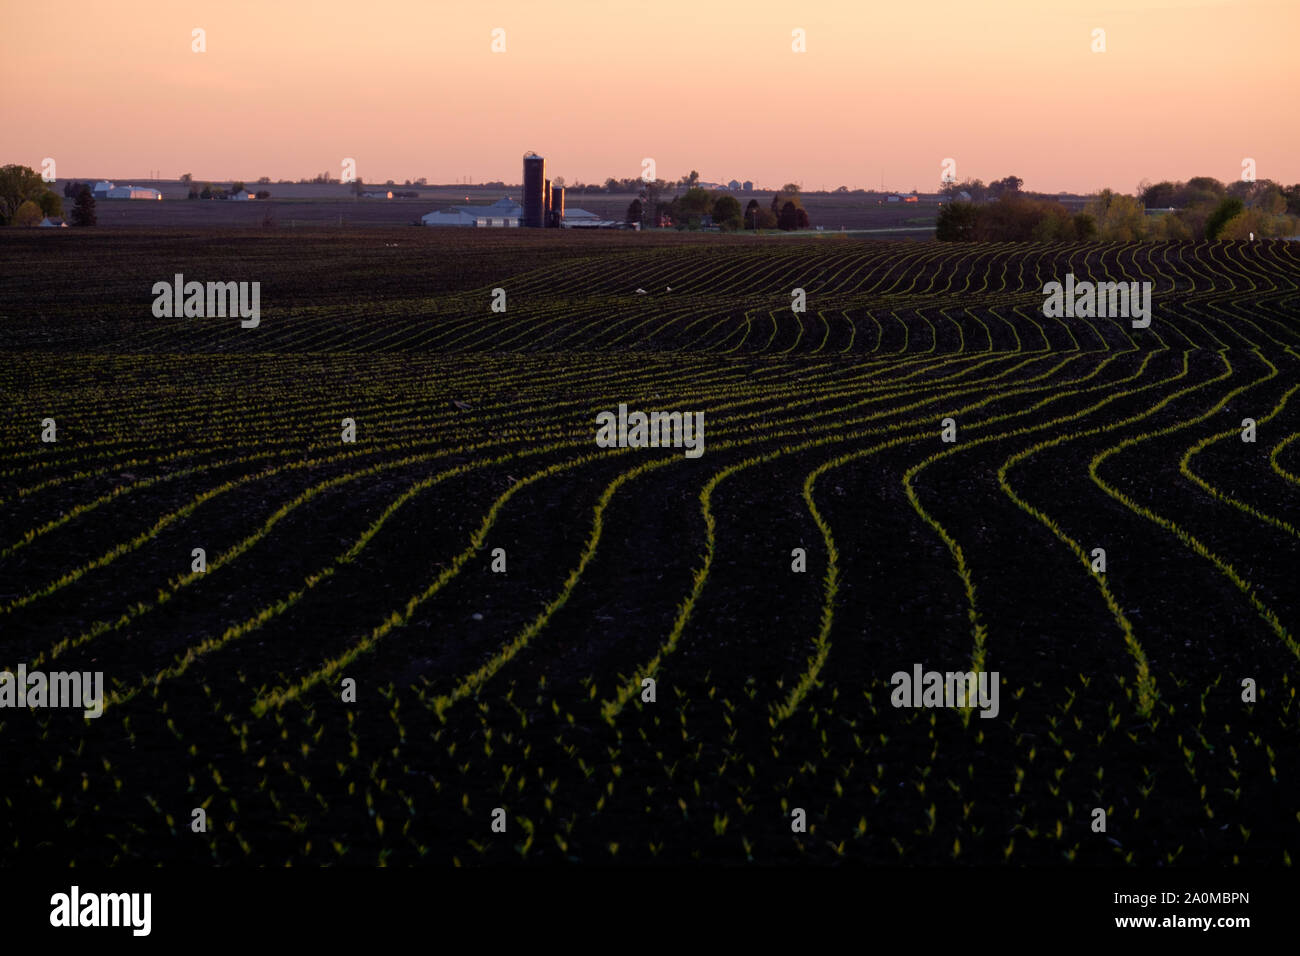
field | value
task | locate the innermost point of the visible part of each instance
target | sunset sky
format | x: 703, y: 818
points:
x: 411, y: 88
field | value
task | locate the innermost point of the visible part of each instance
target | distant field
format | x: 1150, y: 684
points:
x: 522, y: 690
x: 329, y: 205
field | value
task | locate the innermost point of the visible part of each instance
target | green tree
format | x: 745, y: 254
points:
x: 956, y: 222
x: 1085, y: 227
x: 634, y: 211
x: 1292, y: 195
x: 51, y: 203
x: 187, y: 178
x: 1270, y: 200
x: 726, y: 212
x: 694, y: 202
x: 83, y: 211
x: 1118, y: 217
x: 28, y: 214
x: 1157, y: 195
x: 1244, y: 224
x: 1227, y: 210
x: 1199, y: 189
x: 1005, y: 186
x: 789, y: 218
x: 18, y: 184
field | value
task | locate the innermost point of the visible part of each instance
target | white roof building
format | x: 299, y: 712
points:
x: 132, y: 192
x: 504, y: 213
x: 101, y: 188
x: 52, y: 222
x: 581, y: 219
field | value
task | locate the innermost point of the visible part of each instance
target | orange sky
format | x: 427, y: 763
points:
x: 410, y: 88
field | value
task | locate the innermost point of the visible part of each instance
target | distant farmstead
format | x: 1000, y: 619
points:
x: 52, y: 222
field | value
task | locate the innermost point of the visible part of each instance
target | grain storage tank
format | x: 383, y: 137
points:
x: 557, y: 206
x: 534, y: 191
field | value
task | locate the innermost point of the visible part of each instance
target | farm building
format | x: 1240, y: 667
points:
x: 388, y: 194
x: 132, y: 192
x: 52, y: 222
x: 504, y: 213
x: 582, y: 219
x: 101, y: 188
x: 241, y: 196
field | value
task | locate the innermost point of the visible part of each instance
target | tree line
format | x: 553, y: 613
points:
x: 689, y: 209
x: 1201, y: 208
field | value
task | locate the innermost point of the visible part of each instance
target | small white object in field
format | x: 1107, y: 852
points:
x: 669, y: 288
x: 640, y: 291
x: 476, y: 616
x: 1252, y: 237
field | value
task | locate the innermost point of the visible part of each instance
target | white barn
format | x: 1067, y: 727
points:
x: 581, y: 219
x: 133, y: 192
x: 504, y: 213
